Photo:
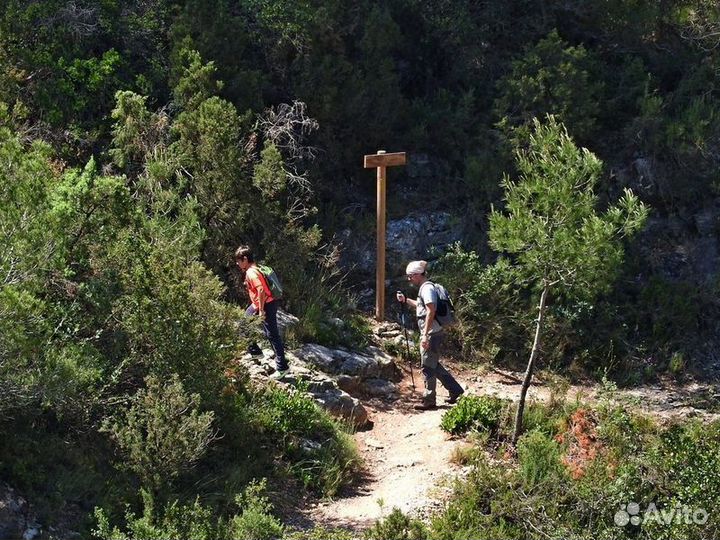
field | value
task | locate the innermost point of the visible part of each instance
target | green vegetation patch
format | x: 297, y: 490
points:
x: 480, y: 413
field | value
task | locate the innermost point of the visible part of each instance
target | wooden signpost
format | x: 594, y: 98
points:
x: 381, y: 161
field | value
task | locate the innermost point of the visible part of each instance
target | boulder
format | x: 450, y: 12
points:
x: 372, y: 362
x: 380, y: 388
x: 706, y: 221
x: 343, y: 405
x: 286, y: 320
x: 333, y: 376
x: 420, y: 236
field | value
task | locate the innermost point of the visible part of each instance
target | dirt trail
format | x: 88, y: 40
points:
x: 408, y: 457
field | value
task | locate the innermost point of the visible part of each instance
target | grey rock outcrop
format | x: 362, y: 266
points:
x: 370, y: 363
x: 16, y: 518
x: 417, y: 236
x: 334, y: 378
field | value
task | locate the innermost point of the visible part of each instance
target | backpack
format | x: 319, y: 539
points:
x: 445, y: 311
x: 272, y: 280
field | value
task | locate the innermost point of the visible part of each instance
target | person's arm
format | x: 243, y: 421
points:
x: 261, y: 300
x: 429, y: 318
x: 405, y: 300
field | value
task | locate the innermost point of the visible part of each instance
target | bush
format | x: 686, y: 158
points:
x: 316, y: 448
x: 256, y: 521
x: 191, y: 521
x: 195, y: 521
x: 484, y: 505
x: 539, y: 458
x: 320, y: 533
x: 162, y: 433
x: 473, y: 412
x: 553, y: 77
x: 397, y: 526
x: 493, y: 315
x: 689, y: 456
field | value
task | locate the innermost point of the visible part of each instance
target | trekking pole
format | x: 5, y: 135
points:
x: 403, y: 309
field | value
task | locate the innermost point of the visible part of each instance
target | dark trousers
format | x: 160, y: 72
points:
x: 434, y: 371
x: 272, y: 333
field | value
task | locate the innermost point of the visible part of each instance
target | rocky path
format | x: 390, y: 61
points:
x: 409, y: 458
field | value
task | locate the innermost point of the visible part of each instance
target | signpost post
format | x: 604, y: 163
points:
x: 381, y: 161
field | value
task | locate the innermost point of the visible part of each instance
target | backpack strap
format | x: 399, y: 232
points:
x: 420, y: 298
x: 268, y: 292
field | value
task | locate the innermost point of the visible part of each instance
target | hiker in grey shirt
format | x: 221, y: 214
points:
x: 431, y: 337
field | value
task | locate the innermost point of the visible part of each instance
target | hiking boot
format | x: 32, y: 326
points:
x: 279, y: 374
x: 424, y: 406
x: 453, y: 398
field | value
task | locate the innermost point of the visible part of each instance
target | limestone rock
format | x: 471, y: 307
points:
x: 343, y: 405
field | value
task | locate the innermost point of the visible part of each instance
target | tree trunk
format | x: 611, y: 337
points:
x: 531, y: 363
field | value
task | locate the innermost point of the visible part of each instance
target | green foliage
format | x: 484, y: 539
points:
x: 491, y: 307
x: 195, y: 521
x: 553, y: 78
x: 484, y: 506
x: 65, y: 61
x: 197, y: 81
x: 673, y: 309
x: 573, y: 488
x: 116, y: 244
x: 192, y: 521
x: 162, y: 433
x: 539, y: 458
x: 320, y: 533
x: 473, y: 413
x: 269, y: 176
x: 316, y: 449
x: 550, y: 222
x: 397, y: 526
x: 548, y: 418
x: 553, y: 237
x: 256, y: 521
x: 695, y: 443
x: 24, y: 179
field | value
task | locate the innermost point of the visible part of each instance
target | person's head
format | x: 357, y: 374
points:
x: 244, y: 257
x: 415, y: 272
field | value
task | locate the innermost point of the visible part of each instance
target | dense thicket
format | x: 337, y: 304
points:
x: 447, y: 78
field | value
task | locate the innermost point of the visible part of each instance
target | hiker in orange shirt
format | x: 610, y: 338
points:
x: 263, y: 305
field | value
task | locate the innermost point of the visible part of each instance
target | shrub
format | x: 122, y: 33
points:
x: 689, y: 456
x: 162, y: 433
x: 195, y: 521
x: 539, y: 458
x: 482, y: 506
x: 493, y: 315
x: 192, y: 521
x: 256, y: 521
x: 473, y: 412
x: 397, y: 526
x: 318, y: 451
x: 552, y: 77
x: 320, y: 533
